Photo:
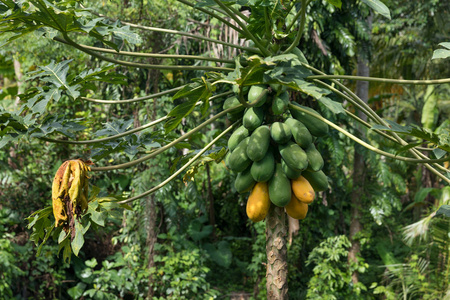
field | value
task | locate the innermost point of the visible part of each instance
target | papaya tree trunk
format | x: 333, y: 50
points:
x: 276, y: 250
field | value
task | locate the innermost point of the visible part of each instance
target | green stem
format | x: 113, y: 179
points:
x: 379, y: 120
x: 135, y: 99
x: 174, y: 175
x: 109, y: 137
x: 245, y: 30
x: 152, y: 55
x: 238, y: 13
x: 267, y: 23
x: 362, y: 143
x: 368, y: 113
x: 213, y: 15
x: 143, y: 66
x: 300, y: 31
x: 297, y: 15
x: 385, y: 80
x: 194, y: 36
x: 395, y: 140
x: 129, y: 131
x: 164, y: 148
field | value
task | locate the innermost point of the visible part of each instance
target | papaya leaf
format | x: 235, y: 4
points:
x: 379, y: 7
x: 197, y: 91
x: 332, y: 105
x: 407, y: 147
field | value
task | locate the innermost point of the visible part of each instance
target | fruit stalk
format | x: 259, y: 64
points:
x: 276, y: 250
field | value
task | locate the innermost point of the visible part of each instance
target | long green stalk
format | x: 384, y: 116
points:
x: 212, y: 15
x: 300, y: 30
x: 191, y: 35
x: 174, y: 175
x: 385, y: 80
x: 143, y: 66
x: 134, y: 99
x: 128, y: 132
x: 151, y: 55
x: 171, y: 144
x: 368, y: 113
x: 362, y: 143
x: 245, y: 30
x: 378, y: 120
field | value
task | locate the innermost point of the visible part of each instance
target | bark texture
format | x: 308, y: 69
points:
x: 362, y: 91
x: 276, y: 250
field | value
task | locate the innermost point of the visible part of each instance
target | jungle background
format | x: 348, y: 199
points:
x: 192, y: 238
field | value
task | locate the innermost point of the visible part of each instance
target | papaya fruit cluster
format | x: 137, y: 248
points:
x: 274, y: 155
x: 70, y: 191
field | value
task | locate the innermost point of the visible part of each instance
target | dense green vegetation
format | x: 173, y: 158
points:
x: 191, y: 238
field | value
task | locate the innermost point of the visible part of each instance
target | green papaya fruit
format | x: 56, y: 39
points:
x: 280, y: 132
x: 253, y: 118
x: 238, y: 135
x: 300, y: 133
x: 254, y: 92
x: 294, y: 156
x: 239, y: 160
x: 227, y: 159
x: 279, y: 188
x: 315, y: 160
x: 232, y: 102
x: 280, y: 103
x: 318, y: 180
x: 259, y: 143
x: 244, y: 181
x: 315, y: 126
x: 289, y: 172
x: 262, y: 170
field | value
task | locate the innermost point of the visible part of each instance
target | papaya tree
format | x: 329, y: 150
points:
x: 274, y: 99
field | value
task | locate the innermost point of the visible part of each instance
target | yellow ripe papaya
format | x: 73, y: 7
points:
x: 296, y: 209
x: 258, y: 203
x: 303, y: 190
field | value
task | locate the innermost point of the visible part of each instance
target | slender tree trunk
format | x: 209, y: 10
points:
x: 276, y: 250
x: 362, y: 90
x: 151, y: 241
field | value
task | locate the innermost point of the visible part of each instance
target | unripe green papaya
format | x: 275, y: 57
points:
x: 279, y: 188
x: 300, y: 133
x: 227, y: 160
x: 280, y: 132
x: 315, y: 126
x: 318, y: 180
x: 253, y: 118
x: 263, y: 169
x: 289, y: 172
x: 239, y: 160
x: 259, y: 143
x: 232, y: 102
x: 237, y: 136
x: 244, y: 181
x: 254, y: 93
x: 294, y: 156
x: 315, y: 160
x: 280, y: 103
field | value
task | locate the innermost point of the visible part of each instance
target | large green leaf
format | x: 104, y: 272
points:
x: 379, y: 7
